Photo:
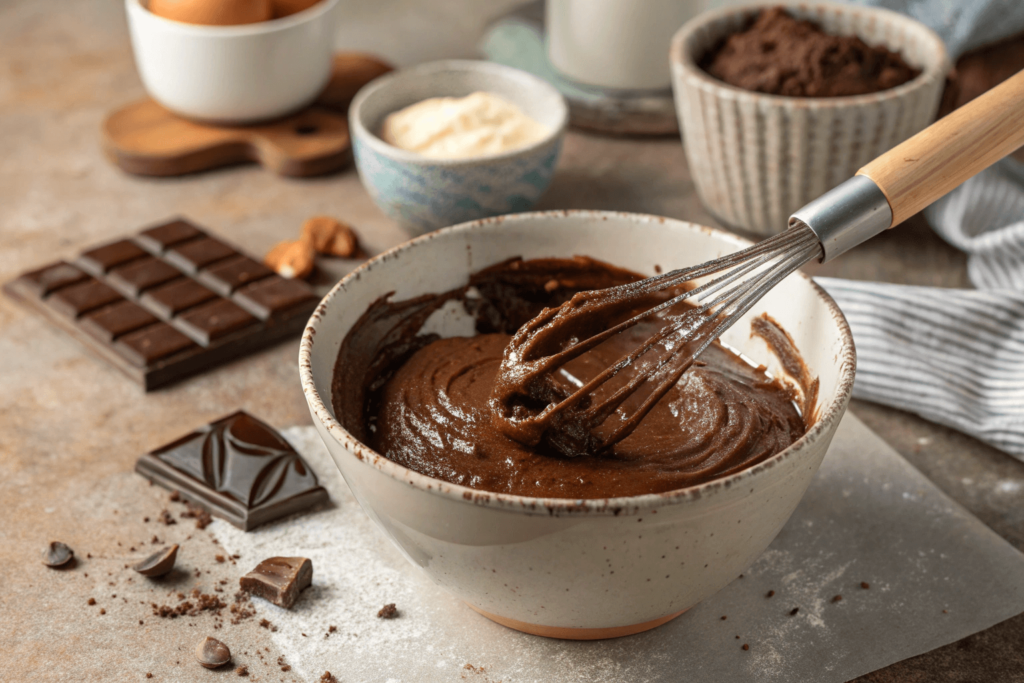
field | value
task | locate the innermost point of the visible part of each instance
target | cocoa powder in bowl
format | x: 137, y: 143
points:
x: 780, y: 55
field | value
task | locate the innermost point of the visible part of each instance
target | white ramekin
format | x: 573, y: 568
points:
x: 756, y: 158
x: 578, y: 569
x: 234, y: 74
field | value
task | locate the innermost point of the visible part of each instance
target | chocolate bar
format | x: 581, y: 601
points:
x: 167, y: 303
x: 238, y: 468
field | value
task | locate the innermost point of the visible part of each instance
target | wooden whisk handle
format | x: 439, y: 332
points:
x: 918, y: 171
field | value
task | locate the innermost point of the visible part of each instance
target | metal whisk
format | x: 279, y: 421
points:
x: 529, y: 408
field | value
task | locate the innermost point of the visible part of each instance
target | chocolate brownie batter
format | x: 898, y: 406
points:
x: 424, y: 401
x: 780, y: 55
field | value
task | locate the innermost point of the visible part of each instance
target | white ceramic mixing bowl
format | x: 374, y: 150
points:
x: 579, y: 568
x: 234, y: 74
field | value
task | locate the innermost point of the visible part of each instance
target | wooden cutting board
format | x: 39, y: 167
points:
x: 145, y: 139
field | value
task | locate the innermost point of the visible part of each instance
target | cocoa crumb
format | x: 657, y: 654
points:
x: 746, y: 646
x: 388, y: 611
x: 794, y: 611
x: 202, y: 517
x: 219, y: 558
x: 327, y: 677
x: 145, y: 520
x: 92, y: 601
x: 724, y: 617
x: 770, y: 594
x: 149, y: 675
x: 174, y: 497
x: 865, y: 585
x: 166, y: 518
x: 103, y: 611
x: 837, y: 598
x: 242, y: 670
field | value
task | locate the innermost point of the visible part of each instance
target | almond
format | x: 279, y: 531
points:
x: 330, y: 236
x: 291, y: 259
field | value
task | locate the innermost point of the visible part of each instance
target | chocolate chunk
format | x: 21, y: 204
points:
x: 237, y: 467
x: 57, y: 554
x: 191, y: 256
x: 213, y: 320
x: 135, y: 285
x: 230, y: 274
x: 388, y: 611
x: 159, y: 563
x: 152, y: 343
x: 174, y: 297
x: 53, y: 277
x: 279, y: 579
x: 117, y: 319
x: 274, y: 297
x: 212, y: 653
x: 101, y: 259
x: 77, y: 299
x: 138, y: 276
x: 159, y: 238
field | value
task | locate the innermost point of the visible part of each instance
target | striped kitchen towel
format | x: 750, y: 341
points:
x: 953, y: 356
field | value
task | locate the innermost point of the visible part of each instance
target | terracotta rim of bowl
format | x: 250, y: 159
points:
x: 681, y: 59
x: 828, y: 412
x: 493, y: 69
x: 309, y: 14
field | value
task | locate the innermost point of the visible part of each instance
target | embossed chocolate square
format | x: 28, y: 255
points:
x: 238, y: 468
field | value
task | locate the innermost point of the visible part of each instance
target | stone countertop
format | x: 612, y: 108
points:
x: 72, y: 427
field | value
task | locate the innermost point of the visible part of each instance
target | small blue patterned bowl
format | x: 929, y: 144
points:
x: 426, y: 194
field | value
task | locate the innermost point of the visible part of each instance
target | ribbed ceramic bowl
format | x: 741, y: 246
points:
x: 578, y: 568
x: 425, y: 194
x: 757, y: 158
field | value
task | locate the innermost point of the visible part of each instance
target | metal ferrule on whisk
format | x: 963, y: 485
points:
x: 846, y: 216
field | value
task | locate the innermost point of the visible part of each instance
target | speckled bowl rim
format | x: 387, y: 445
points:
x: 310, y: 14
x: 829, y: 413
x: 681, y: 60
x: 493, y: 70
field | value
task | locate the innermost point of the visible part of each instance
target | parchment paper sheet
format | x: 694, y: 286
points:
x: 936, y: 575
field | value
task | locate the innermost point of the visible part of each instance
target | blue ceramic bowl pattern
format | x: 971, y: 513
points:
x: 426, y: 197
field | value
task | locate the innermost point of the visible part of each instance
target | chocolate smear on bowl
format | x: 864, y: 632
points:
x: 159, y: 563
x: 778, y: 54
x: 212, y: 653
x: 279, y: 579
x: 57, y: 554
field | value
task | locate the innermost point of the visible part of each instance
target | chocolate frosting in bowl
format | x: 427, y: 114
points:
x: 423, y: 401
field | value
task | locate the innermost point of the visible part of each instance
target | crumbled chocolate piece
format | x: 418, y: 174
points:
x: 57, y: 554
x: 746, y: 646
x: 327, y: 677
x: 770, y: 594
x: 202, y: 517
x: 389, y: 611
x: 793, y: 611
x: 212, y: 653
x: 242, y: 670
x: 837, y: 598
x: 219, y: 558
x: 279, y: 579
x: 724, y: 617
x: 865, y: 585
x: 159, y: 563
x: 167, y: 518
x: 92, y: 601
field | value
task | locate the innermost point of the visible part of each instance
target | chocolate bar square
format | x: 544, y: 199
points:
x: 238, y: 468
x: 166, y: 303
x: 157, y: 239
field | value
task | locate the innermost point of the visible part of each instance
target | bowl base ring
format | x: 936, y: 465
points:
x: 566, y: 633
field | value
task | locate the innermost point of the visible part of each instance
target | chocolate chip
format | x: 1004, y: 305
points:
x: 279, y: 579
x: 212, y: 653
x: 388, y: 611
x: 57, y: 554
x: 159, y: 563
